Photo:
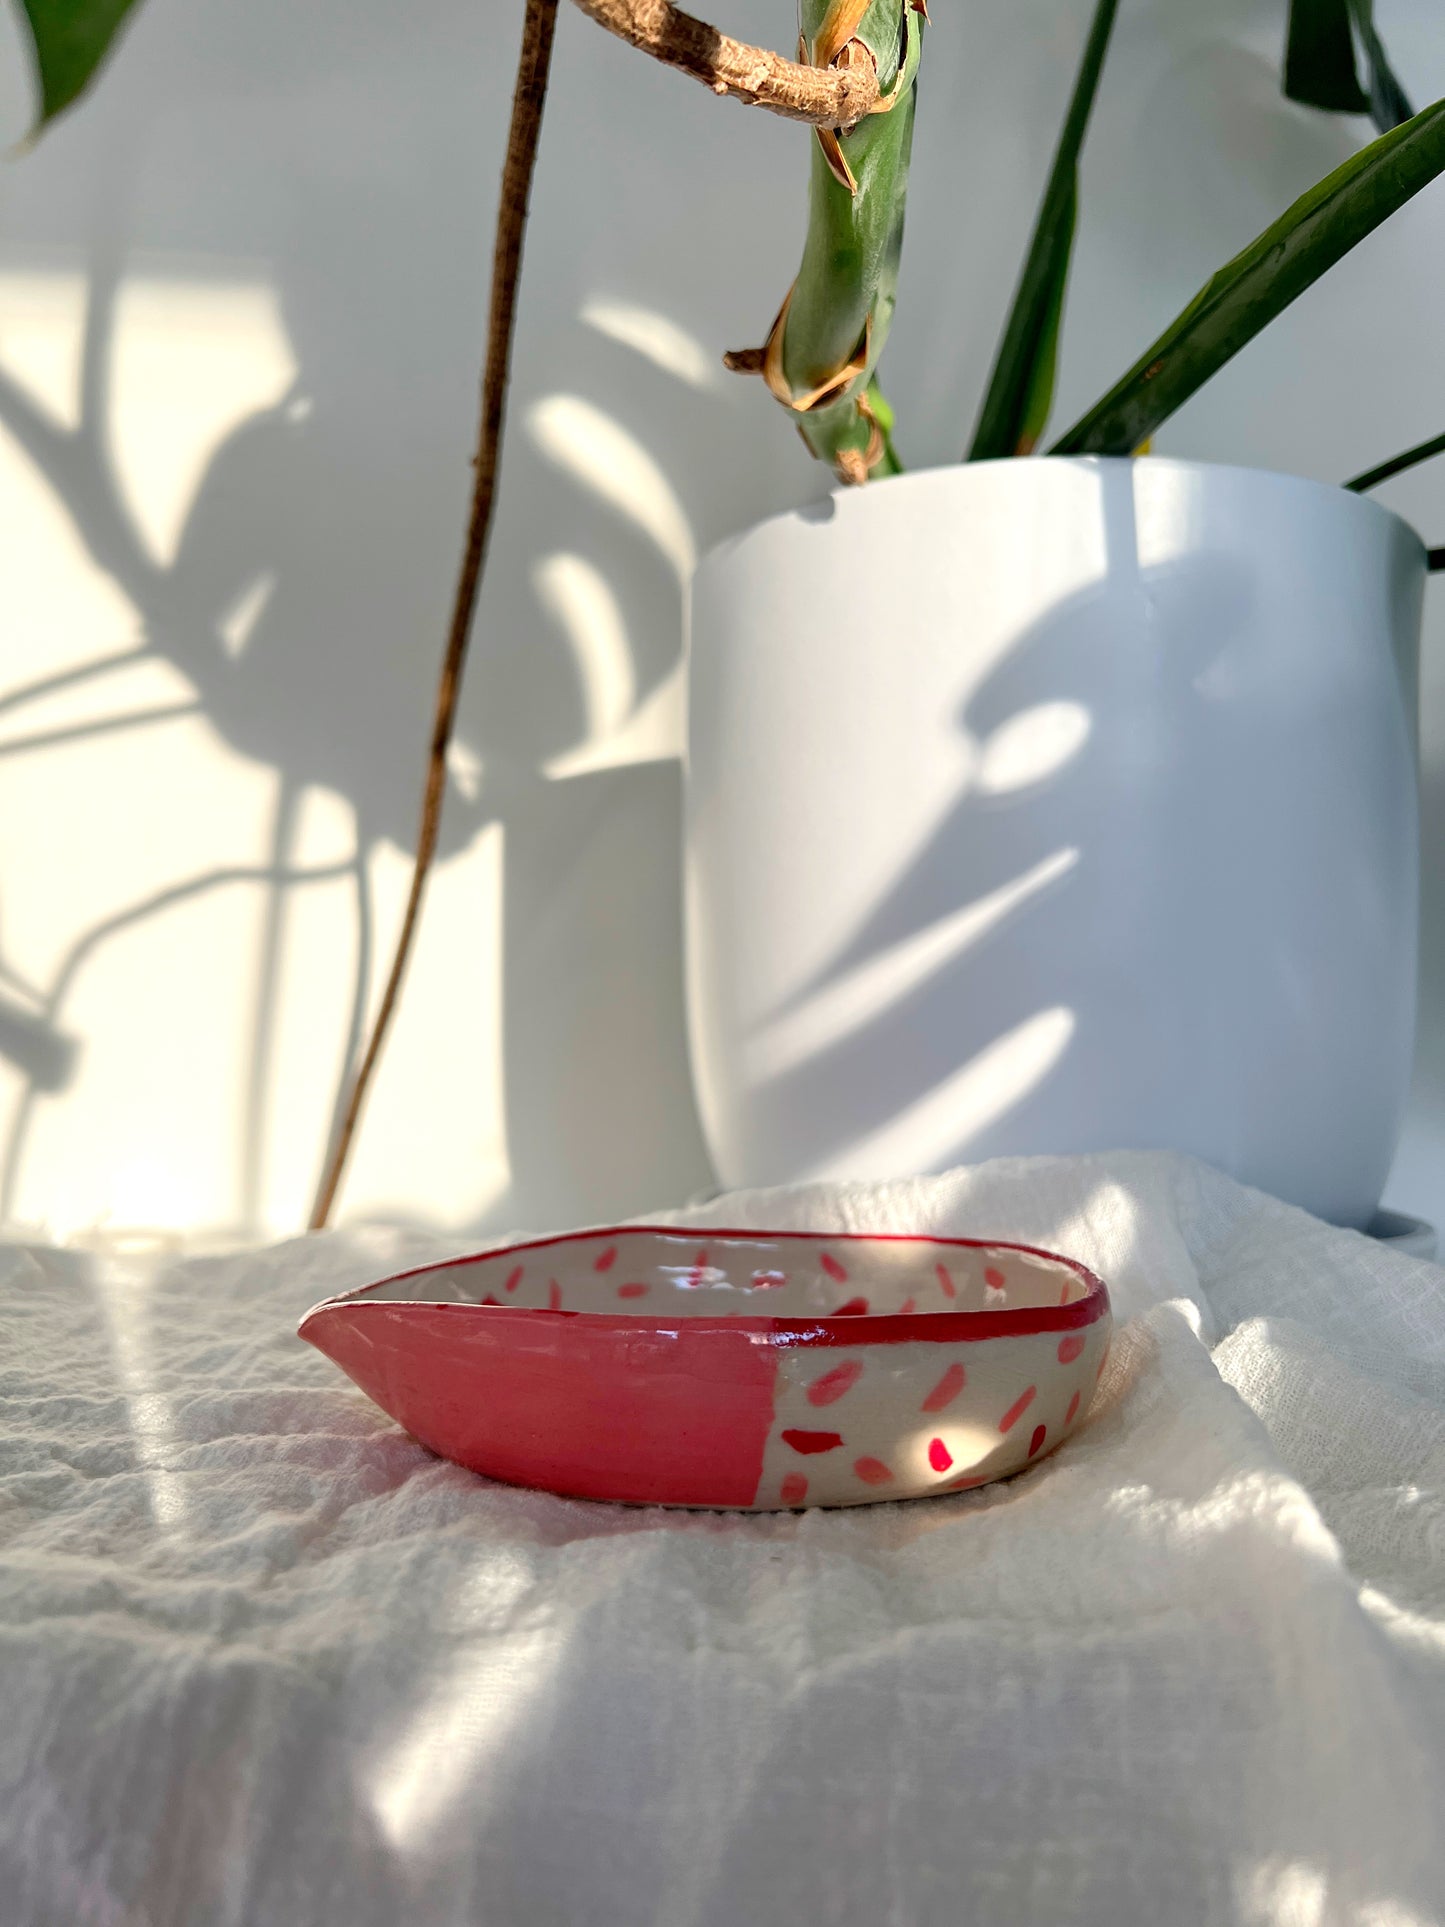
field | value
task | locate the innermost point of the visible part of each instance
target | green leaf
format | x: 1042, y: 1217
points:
x: 1389, y: 106
x: 1021, y: 388
x: 1246, y: 294
x: 1320, y: 67
x: 69, y: 40
x: 1397, y: 465
x: 1319, y: 57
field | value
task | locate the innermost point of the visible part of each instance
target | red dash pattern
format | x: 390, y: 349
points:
x: 939, y: 1456
x: 872, y: 1472
x: 1070, y: 1348
x: 795, y: 1489
x: 1041, y: 1432
x: 607, y: 1259
x: 632, y: 1291
x: 514, y: 1278
x: 994, y: 1278
x: 832, y: 1385
x: 809, y: 1442
x: 945, y: 1283
x: 1073, y: 1408
x: 947, y: 1389
x: 1016, y: 1411
x: 855, y: 1308
x: 833, y: 1268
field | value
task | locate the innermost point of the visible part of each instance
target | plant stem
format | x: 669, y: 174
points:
x: 1372, y: 477
x: 822, y: 96
x: 528, y: 98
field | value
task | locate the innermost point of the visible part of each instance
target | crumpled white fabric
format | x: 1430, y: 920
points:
x: 264, y: 1662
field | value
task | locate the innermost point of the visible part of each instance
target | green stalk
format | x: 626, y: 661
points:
x: 842, y: 302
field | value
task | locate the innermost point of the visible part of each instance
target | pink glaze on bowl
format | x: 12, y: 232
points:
x: 659, y: 1365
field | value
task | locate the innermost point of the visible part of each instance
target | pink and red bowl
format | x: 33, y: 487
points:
x: 752, y: 1369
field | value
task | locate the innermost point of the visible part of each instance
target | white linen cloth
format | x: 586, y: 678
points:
x: 264, y: 1662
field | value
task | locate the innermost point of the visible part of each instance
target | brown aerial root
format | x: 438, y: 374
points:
x: 823, y: 95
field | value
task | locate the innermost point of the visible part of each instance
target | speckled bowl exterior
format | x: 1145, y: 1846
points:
x: 750, y: 1369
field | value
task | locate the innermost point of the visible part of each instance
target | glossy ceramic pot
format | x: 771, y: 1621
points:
x: 668, y: 1366
x: 1057, y: 806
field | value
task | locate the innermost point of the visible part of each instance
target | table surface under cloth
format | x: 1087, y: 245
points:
x: 265, y: 1662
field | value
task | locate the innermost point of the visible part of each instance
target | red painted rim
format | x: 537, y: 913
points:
x: 867, y: 1328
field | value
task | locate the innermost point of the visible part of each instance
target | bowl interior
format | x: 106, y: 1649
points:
x: 679, y: 1272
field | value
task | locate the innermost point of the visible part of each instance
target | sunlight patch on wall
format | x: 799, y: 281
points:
x: 620, y: 731
x: 610, y: 462
x: 579, y: 599
x: 1286, y: 1893
x: 655, y: 337
x: 465, y: 769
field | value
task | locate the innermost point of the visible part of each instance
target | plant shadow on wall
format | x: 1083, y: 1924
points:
x: 330, y: 521
x: 998, y: 969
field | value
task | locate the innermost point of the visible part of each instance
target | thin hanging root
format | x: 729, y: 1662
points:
x: 529, y: 95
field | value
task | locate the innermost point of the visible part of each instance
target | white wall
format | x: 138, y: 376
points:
x: 241, y: 307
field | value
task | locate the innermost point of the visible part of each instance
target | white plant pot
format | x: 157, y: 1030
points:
x: 1055, y: 806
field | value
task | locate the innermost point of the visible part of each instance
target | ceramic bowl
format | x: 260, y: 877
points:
x: 752, y: 1369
